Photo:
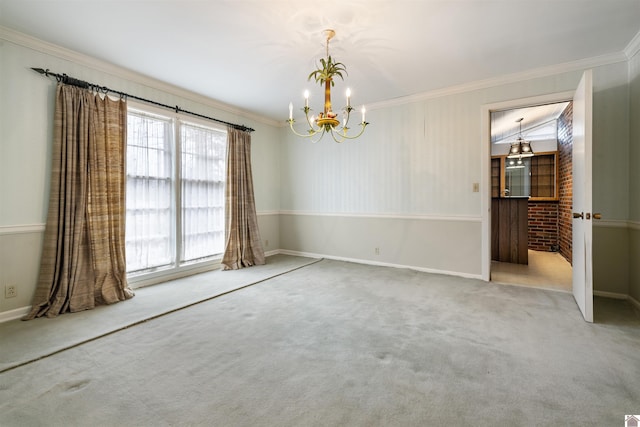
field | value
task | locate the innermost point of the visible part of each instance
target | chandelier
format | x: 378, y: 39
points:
x: 520, y: 148
x: 327, y: 121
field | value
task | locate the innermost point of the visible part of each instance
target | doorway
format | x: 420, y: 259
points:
x: 543, y: 183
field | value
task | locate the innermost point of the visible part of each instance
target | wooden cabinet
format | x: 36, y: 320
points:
x: 509, y: 230
x: 544, y: 181
x: 496, y: 176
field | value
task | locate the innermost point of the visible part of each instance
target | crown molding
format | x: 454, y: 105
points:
x: 102, y: 66
x: 633, y: 47
x: 566, y: 67
x: 45, y: 47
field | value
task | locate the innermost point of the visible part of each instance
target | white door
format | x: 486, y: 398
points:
x: 582, y: 231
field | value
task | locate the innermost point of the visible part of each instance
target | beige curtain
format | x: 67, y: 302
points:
x: 243, y: 246
x: 83, y: 260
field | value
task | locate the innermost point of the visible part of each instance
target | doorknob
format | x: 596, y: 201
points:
x: 597, y: 216
x: 578, y: 215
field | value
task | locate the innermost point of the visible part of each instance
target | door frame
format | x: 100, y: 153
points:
x: 485, y: 158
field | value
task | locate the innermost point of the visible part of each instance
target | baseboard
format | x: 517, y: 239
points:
x: 382, y: 264
x: 613, y: 295
x: 17, y: 313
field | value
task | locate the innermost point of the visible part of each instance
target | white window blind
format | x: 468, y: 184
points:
x: 175, y: 192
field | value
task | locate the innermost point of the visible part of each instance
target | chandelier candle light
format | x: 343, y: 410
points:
x: 327, y: 121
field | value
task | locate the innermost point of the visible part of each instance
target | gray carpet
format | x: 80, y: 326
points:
x: 39, y: 338
x: 337, y: 343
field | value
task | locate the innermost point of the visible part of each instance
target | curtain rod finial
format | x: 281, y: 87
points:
x: 39, y: 70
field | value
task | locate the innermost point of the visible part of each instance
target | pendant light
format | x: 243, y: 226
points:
x: 520, y: 148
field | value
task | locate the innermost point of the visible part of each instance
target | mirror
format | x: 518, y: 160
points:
x: 517, y: 177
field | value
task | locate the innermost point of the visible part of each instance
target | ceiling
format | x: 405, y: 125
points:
x: 256, y: 55
x: 538, y: 123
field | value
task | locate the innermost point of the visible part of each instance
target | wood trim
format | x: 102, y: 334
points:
x: 502, y: 175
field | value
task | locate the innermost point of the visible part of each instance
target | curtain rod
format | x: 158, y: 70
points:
x: 63, y: 78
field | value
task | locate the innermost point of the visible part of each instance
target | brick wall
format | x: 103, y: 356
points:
x: 543, y: 226
x: 565, y: 186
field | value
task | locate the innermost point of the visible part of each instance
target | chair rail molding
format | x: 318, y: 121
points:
x: 21, y: 229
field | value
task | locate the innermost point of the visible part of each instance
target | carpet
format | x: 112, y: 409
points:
x: 42, y: 337
x: 336, y: 343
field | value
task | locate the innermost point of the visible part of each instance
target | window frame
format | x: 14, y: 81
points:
x: 176, y: 268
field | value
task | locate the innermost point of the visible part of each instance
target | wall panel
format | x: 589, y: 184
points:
x: 611, y: 258
x: 19, y: 265
x: 430, y: 244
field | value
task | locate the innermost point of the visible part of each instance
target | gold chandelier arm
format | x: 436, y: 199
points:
x: 291, y: 121
x: 310, y: 133
x: 309, y: 122
x: 320, y: 137
x: 348, y: 109
x: 342, y: 133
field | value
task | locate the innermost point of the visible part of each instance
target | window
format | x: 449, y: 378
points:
x: 175, y: 191
x: 203, y: 182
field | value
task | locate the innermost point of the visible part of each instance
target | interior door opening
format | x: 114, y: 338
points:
x: 531, y: 217
x: 581, y: 228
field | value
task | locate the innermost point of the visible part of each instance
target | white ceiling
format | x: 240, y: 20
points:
x: 538, y: 123
x: 256, y: 55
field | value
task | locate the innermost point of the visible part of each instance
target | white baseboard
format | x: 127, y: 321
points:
x: 634, y: 301
x: 17, y: 313
x: 382, y: 264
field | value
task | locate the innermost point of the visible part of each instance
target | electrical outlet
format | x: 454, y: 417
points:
x: 377, y: 251
x: 266, y: 243
x: 10, y: 291
x: 476, y: 187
